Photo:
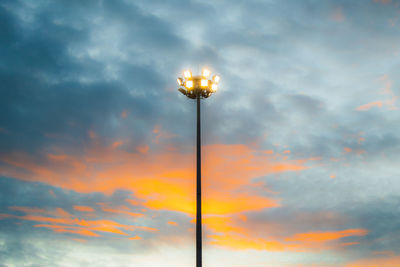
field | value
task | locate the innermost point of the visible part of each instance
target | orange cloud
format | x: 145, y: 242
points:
x: 222, y: 224
x: 120, y: 210
x: 376, y: 262
x: 385, y: 90
x: 117, y: 144
x: 58, y: 212
x: 240, y: 243
x: 83, y: 208
x: 326, y: 236
x: 348, y: 149
x: 235, y: 233
x: 243, y: 217
x: 142, y: 149
x: 68, y: 229
x: 164, y: 181
x: 160, y: 181
x: 63, y: 222
x: 368, y: 106
x: 172, y: 223
x: 161, y: 134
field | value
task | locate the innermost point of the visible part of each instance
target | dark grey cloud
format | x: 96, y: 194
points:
x: 48, y: 90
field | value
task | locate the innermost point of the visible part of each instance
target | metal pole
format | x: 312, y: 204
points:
x: 198, y: 200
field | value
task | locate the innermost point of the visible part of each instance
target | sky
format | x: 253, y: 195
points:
x: 299, y: 145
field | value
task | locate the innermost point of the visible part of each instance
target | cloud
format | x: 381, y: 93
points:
x: 119, y: 210
x: 162, y: 180
x: 63, y: 222
x: 370, y: 105
x: 370, y: 262
x: 326, y: 236
x: 277, y: 235
x: 385, y: 90
x: 83, y: 208
x: 239, y: 243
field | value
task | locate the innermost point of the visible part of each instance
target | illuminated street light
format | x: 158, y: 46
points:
x: 198, y: 87
x: 189, y: 84
x: 216, y: 79
x: 206, y: 73
x: 187, y: 74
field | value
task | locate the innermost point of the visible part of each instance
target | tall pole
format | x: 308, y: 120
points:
x: 198, y: 187
x: 197, y: 87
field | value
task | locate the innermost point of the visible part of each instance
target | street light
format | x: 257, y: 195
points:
x: 198, y: 87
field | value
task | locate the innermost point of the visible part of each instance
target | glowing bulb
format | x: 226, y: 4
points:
x: 187, y: 74
x: 204, y: 83
x: 206, y: 73
x: 180, y: 81
x: 189, y: 84
x: 214, y: 87
x: 216, y: 79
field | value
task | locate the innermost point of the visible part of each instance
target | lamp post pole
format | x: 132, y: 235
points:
x: 198, y: 189
x: 198, y: 87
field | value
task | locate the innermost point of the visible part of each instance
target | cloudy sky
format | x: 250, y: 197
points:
x: 300, y: 144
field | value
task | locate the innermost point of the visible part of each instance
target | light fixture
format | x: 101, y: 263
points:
x: 189, y: 84
x: 198, y: 86
x: 187, y: 74
x: 206, y: 73
x: 180, y: 81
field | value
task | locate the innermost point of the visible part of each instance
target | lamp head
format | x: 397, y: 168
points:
x: 198, y: 86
